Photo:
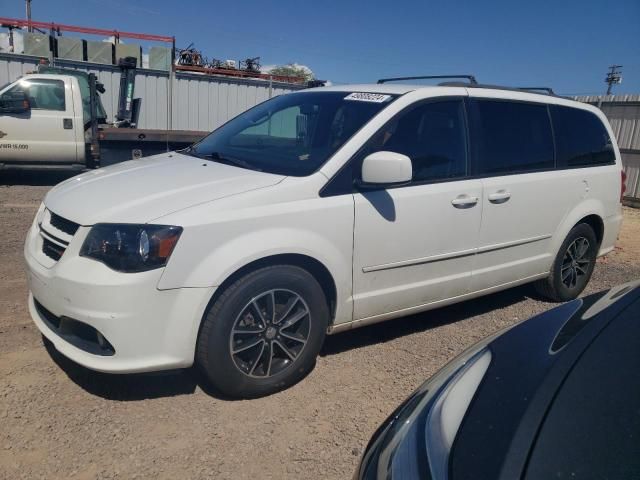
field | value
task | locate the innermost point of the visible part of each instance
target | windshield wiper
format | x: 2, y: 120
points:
x: 188, y: 151
x: 237, y: 162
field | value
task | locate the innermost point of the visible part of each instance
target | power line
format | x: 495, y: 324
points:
x: 614, y: 77
x: 28, y: 8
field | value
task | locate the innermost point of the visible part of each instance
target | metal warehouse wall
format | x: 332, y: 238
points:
x: 200, y: 102
x: 623, y: 112
x: 631, y: 162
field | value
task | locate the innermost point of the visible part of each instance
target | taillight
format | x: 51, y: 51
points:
x: 623, y: 186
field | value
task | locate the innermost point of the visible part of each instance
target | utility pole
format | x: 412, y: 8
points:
x: 29, y: 29
x: 614, y: 77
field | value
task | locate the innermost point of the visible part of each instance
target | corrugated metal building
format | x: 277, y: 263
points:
x: 200, y: 102
x: 204, y: 102
x: 623, y: 112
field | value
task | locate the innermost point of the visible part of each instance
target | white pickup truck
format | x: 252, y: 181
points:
x: 55, y: 119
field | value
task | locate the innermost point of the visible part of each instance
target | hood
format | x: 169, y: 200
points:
x: 139, y: 191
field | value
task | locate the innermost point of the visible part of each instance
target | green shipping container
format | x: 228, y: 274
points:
x: 100, y: 52
x: 71, y: 48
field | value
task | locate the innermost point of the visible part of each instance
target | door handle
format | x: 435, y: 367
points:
x: 464, y: 201
x: 500, y: 196
x: 67, y: 123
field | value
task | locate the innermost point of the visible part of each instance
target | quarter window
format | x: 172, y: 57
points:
x: 432, y: 135
x: 510, y: 137
x: 581, y: 138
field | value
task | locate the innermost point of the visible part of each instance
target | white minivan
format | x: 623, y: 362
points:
x: 316, y: 212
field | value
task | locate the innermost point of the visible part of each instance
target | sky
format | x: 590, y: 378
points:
x: 564, y: 44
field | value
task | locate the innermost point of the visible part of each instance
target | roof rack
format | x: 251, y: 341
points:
x: 538, y: 89
x: 543, y: 90
x: 472, y: 82
x: 471, y: 78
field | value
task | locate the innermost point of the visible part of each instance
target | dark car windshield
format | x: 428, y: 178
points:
x: 293, y: 134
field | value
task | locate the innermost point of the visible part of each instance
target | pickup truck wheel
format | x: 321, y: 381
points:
x: 572, y: 267
x: 264, y: 332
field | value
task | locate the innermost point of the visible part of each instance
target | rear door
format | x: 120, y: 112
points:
x: 524, y: 198
x: 414, y: 244
x: 45, y: 133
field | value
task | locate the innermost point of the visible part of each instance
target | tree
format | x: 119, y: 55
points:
x: 293, y: 70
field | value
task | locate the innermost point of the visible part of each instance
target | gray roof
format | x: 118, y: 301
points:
x: 626, y: 98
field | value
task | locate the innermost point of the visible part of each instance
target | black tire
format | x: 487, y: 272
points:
x: 569, y: 274
x: 242, y: 315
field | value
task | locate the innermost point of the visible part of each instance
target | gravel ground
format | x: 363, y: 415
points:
x: 59, y: 420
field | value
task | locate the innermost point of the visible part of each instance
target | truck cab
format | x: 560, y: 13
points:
x: 42, y: 121
x: 55, y: 119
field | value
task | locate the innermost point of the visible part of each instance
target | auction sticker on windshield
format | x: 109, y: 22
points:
x: 367, y: 97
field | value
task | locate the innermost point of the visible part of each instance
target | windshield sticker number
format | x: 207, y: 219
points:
x: 367, y: 97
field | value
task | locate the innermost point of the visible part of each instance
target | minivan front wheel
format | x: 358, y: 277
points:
x: 264, y: 332
x: 573, y: 265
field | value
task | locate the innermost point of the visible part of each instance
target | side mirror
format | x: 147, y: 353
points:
x: 14, y: 102
x: 386, y: 169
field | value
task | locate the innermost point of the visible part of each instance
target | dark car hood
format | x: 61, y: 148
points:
x: 529, y: 365
x: 529, y: 362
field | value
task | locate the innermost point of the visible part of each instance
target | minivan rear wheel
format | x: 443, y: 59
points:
x: 264, y: 332
x: 572, y: 267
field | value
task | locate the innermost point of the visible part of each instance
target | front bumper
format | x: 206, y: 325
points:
x: 149, y: 329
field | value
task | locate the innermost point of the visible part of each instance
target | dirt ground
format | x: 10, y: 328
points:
x: 59, y: 420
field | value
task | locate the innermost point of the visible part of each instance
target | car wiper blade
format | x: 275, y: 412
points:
x: 238, y: 162
x: 189, y: 151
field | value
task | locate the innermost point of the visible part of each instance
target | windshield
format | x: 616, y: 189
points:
x: 292, y: 134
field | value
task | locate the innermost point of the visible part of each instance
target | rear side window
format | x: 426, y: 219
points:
x: 510, y: 137
x: 581, y: 138
x: 432, y: 135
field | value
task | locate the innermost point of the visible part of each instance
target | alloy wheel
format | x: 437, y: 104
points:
x: 576, y: 262
x: 270, y: 333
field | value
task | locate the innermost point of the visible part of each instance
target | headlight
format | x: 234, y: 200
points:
x: 446, y: 414
x: 416, y: 440
x: 131, y: 248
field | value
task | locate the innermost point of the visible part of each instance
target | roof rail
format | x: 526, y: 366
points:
x: 471, y: 78
x: 538, y: 89
x: 542, y: 90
